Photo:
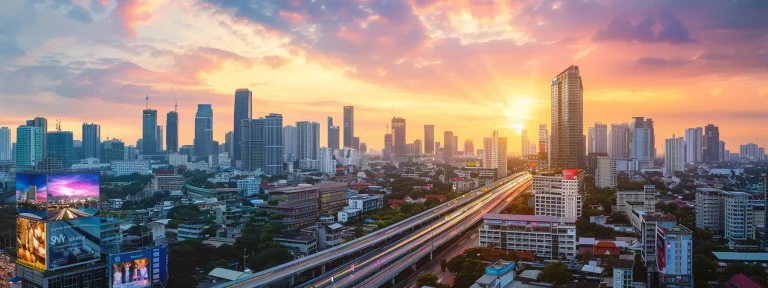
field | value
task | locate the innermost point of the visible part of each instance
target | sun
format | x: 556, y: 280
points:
x: 517, y: 111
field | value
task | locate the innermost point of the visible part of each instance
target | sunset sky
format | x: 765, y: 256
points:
x: 465, y: 65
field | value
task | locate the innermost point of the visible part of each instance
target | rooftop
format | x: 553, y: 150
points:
x: 741, y: 256
x: 624, y: 264
x: 676, y: 229
x: 230, y: 275
x: 514, y: 217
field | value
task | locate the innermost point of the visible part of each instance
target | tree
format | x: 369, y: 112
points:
x: 556, y: 273
x: 465, y: 270
x: 358, y: 232
x: 426, y: 279
x: 609, y: 262
x: 443, y: 264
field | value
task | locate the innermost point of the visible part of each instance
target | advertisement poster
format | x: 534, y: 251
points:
x: 31, y: 193
x: 160, y: 264
x: 570, y: 174
x: 130, y: 270
x: 73, y: 242
x: 72, y: 196
x: 661, y: 254
x: 31, y: 243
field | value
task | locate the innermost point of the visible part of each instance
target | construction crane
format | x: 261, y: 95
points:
x: 58, y: 125
x: 147, y: 99
x: 176, y: 103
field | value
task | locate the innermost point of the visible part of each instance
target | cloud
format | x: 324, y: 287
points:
x: 662, y: 62
x: 80, y: 14
x: 621, y: 29
x: 132, y: 13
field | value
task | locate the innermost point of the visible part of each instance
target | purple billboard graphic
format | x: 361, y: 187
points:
x: 72, y: 196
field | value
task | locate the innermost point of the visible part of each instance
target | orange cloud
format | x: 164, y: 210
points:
x: 132, y: 13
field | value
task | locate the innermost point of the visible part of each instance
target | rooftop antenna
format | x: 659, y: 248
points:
x: 176, y: 103
x: 147, y: 99
x: 58, y: 125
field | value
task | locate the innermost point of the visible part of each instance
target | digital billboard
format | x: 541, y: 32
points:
x: 31, y: 194
x: 130, y: 270
x: 160, y: 264
x: 73, y: 242
x: 570, y: 174
x: 31, y: 243
x: 72, y: 196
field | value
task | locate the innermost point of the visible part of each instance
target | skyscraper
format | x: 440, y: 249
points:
x: 349, y: 125
x: 60, y: 146
x: 429, y: 139
x: 543, y: 146
x: 243, y: 110
x: 42, y: 123
x: 643, y: 148
x: 5, y: 144
x: 387, y: 152
x: 29, y: 145
x: 308, y: 140
x: 416, y: 147
x: 112, y: 150
x: 469, y: 148
x: 495, y: 154
x: 149, y: 132
x: 273, y: 143
x: 448, y: 149
x: 203, y: 131
x: 598, y: 142
x: 229, y: 144
x: 172, y: 132
x: 455, y: 145
x: 333, y: 135
x: 693, y: 148
x: 711, y: 144
x: 290, y: 143
x: 398, y: 136
x: 252, y: 144
x: 567, y: 119
x: 721, y: 152
x: 674, y: 155
x: 525, y: 144
x: 91, y: 138
x: 356, y: 143
x: 621, y: 139
x: 160, y: 138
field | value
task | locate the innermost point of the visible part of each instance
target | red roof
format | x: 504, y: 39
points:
x: 741, y: 281
x: 438, y: 197
x: 394, y: 205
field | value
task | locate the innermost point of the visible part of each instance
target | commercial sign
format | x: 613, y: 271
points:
x: 72, y: 196
x: 517, y: 223
x: 31, y: 194
x: 661, y: 254
x: 541, y: 224
x: 160, y: 264
x: 130, y: 270
x: 533, y: 157
x: 570, y: 174
x: 493, y: 222
x: 473, y: 164
x: 73, y: 242
x: 31, y: 243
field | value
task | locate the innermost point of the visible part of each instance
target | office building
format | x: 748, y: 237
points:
x: 525, y: 144
x: 387, y: 151
x: 398, y: 136
x: 643, y: 200
x: 91, y: 141
x: 643, y: 142
x: 416, y: 147
x: 455, y: 145
x: 6, y: 148
x: 429, y: 139
x: 567, y: 120
x: 559, y: 195
x: 598, y: 140
x: 725, y: 213
x: 645, y: 224
x: 41, y: 123
x: 273, y: 144
x: 252, y: 144
x: 149, y: 132
x: 243, y: 110
x: 495, y: 154
x: 623, y: 274
x: 546, y: 236
x: 674, y: 155
x: 112, y: 150
x: 308, y: 140
x: 325, y: 162
x: 606, y: 174
x: 61, y: 147
x: 29, y: 145
x: 674, y: 256
x: 333, y: 135
x: 543, y: 147
x: 349, y: 125
x: 160, y: 138
x: 469, y: 148
x: 229, y: 144
x: 711, y: 144
x: 356, y: 143
x: 693, y: 145
x: 448, y: 150
x: 290, y: 143
x: 621, y: 139
x: 172, y: 131
x: 204, y: 131
x: 721, y: 152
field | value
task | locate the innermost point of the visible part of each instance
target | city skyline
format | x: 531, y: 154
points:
x: 691, y: 52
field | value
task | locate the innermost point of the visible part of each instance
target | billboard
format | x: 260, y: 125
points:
x: 31, y: 243
x: 533, y: 157
x: 473, y: 164
x: 543, y: 155
x: 542, y: 147
x: 31, y: 194
x: 72, y: 196
x: 73, y: 242
x: 130, y: 270
x: 661, y: 254
x: 517, y: 223
x: 493, y: 222
x: 570, y: 174
x: 160, y: 264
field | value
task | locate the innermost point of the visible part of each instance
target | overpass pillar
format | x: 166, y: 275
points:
x: 393, y: 281
x: 322, y: 269
x: 430, y: 255
x: 413, y: 267
x: 292, y: 280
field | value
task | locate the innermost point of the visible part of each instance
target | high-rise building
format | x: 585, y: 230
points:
x: 567, y: 120
x: 495, y: 154
x: 112, y: 150
x: 5, y: 144
x: 364, y: 148
x: 333, y: 135
x: 252, y: 144
x: 621, y: 140
x: 387, y: 151
x: 750, y: 152
x: 273, y: 144
x: 349, y: 125
x: 448, y: 149
x: 149, y: 132
x: 42, y: 123
x: 643, y: 143
x: 674, y: 253
x: 559, y: 195
x: 203, y: 131
x: 674, y: 155
x: 711, y: 144
x: 29, y: 145
x: 525, y: 145
x: 429, y: 139
x: 325, y: 163
x: 91, y: 141
x: 598, y: 142
x: 229, y: 144
x: 356, y: 143
x: 290, y: 143
x: 455, y: 145
x: 243, y: 110
x: 725, y: 213
x: 469, y: 148
x: 416, y: 147
x: 551, y: 238
x: 606, y: 173
x: 543, y: 146
x: 61, y: 147
x: 130, y: 153
x: 693, y: 145
x: 721, y: 152
x: 160, y: 138
x: 172, y: 132
x: 308, y: 140
x: 398, y: 136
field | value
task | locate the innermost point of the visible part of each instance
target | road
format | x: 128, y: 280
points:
x: 66, y: 213
x: 297, y: 266
x: 422, y: 242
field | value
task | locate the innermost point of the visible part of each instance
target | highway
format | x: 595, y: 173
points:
x: 66, y: 213
x: 289, y: 269
x: 390, y: 261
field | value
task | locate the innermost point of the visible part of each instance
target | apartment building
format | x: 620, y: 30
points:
x: 559, y: 195
x: 674, y: 256
x: 546, y: 236
x: 727, y: 213
x: 647, y: 196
